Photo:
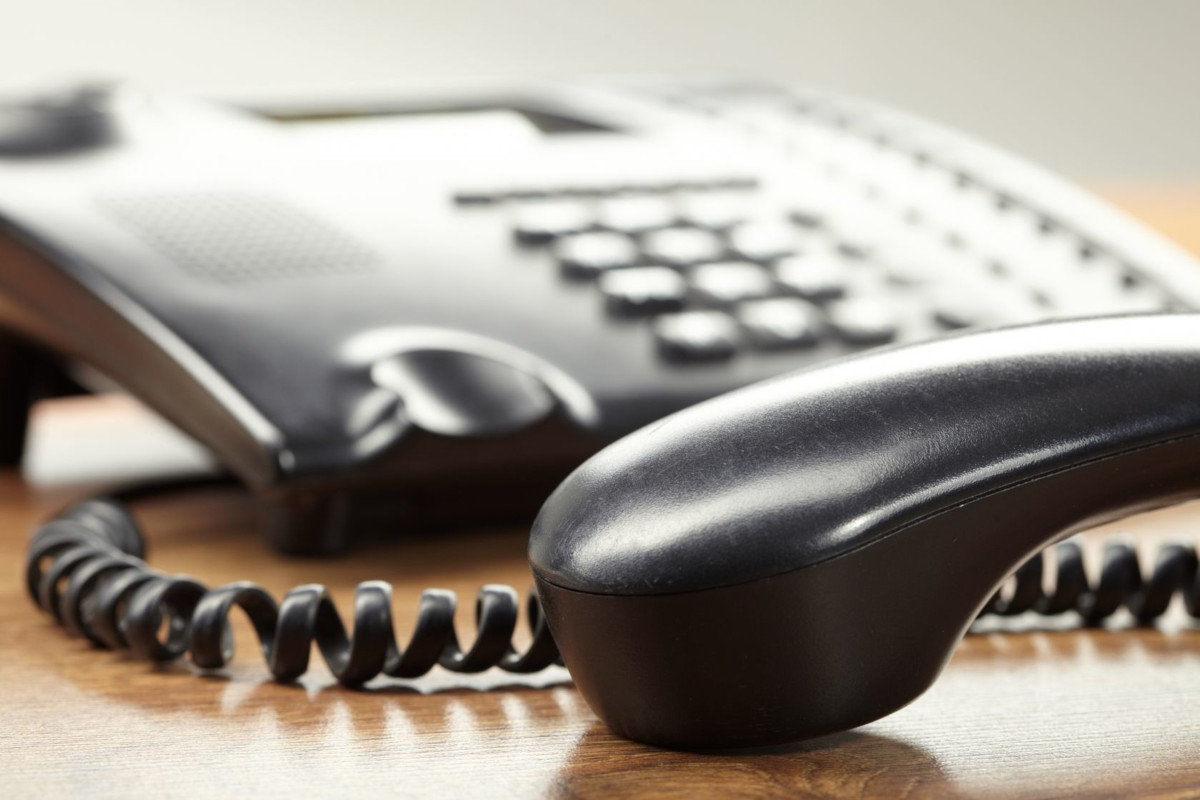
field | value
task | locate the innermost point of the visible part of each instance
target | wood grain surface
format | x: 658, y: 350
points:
x: 1025, y: 709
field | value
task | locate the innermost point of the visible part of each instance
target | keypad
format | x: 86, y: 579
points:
x: 869, y: 243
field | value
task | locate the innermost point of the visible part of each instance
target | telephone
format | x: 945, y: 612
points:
x: 788, y: 522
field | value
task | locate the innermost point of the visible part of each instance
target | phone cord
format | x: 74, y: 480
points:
x: 85, y: 568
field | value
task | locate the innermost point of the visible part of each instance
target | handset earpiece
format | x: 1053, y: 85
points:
x: 802, y: 556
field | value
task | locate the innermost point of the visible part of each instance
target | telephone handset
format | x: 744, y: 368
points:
x: 791, y: 558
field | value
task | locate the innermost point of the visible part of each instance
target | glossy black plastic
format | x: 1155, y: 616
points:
x: 801, y: 556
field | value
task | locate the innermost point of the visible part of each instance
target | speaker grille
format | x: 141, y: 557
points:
x: 234, y: 237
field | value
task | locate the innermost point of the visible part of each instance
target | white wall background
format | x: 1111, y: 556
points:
x: 1099, y: 89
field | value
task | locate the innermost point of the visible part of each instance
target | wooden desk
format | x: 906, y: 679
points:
x: 1066, y: 713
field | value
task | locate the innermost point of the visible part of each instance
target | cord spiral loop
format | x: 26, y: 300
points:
x: 1121, y: 583
x: 85, y: 568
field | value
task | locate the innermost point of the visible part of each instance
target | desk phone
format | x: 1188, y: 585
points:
x: 376, y: 305
x: 854, y: 368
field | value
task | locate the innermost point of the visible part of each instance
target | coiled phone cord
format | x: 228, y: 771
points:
x: 1122, y: 584
x: 85, y: 568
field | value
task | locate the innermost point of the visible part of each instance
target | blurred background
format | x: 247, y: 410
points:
x: 1097, y: 89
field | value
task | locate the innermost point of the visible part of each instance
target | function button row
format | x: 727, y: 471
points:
x: 592, y: 252
x: 488, y: 196
x: 542, y: 221
x: 772, y: 324
x: 818, y: 276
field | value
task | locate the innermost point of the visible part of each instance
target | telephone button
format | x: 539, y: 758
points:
x: 478, y: 196
x: 714, y: 211
x: 764, y: 241
x: 976, y: 301
x: 915, y: 261
x: 864, y: 320
x: 781, y: 322
x: 530, y: 193
x: 815, y: 275
x: 643, y: 291
x: 586, y: 255
x: 544, y: 221
x: 696, y: 335
x: 808, y: 215
x: 636, y: 214
x: 730, y: 282
x: 730, y: 182
x: 955, y: 308
x: 682, y: 247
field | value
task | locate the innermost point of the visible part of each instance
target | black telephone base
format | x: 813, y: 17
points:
x: 479, y: 290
